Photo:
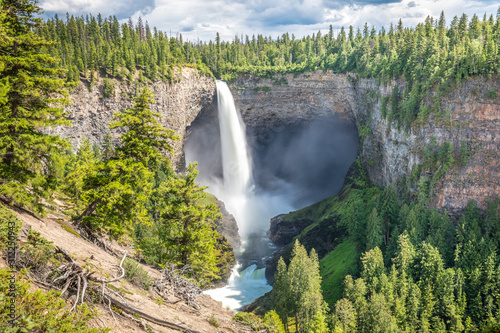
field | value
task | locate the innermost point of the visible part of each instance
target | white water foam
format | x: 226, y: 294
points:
x: 251, y: 211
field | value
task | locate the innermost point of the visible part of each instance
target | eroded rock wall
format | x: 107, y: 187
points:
x: 389, y: 153
x: 178, y: 104
x: 266, y: 105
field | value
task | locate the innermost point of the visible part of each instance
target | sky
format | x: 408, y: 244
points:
x: 201, y: 20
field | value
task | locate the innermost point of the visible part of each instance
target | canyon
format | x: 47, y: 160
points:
x: 268, y: 105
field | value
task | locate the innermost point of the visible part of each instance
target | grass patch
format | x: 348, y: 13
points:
x: 334, y: 266
x: 70, y: 230
x: 213, y: 321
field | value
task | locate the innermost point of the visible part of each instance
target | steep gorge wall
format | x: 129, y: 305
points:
x: 388, y: 152
x: 178, y: 104
x: 267, y: 105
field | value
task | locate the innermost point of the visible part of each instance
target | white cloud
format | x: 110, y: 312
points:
x: 120, y: 8
x: 201, y: 19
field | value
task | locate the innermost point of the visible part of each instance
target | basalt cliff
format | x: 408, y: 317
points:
x: 470, y: 114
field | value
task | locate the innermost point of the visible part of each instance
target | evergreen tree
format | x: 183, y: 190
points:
x: 145, y: 140
x: 374, y: 232
x: 300, y: 285
x: 116, y: 190
x: 187, y: 234
x: 34, y: 98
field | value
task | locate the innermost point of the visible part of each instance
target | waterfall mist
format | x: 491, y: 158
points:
x: 278, y: 170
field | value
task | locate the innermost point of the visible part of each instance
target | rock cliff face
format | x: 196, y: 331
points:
x: 178, y: 104
x: 267, y: 105
x: 389, y: 153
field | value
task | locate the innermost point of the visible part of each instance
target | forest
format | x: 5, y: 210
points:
x: 417, y: 270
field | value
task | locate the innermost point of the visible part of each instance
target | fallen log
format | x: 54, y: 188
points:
x: 132, y: 311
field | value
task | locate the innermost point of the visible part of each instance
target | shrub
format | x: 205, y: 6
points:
x: 273, y: 323
x: 249, y: 319
x: 8, y: 220
x: 492, y: 94
x: 40, y: 311
x: 38, y: 255
x: 136, y: 275
x: 109, y: 88
x: 213, y: 321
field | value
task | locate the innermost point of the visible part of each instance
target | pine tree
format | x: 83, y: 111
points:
x: 301, y: 287
x: 116, y: 190
x: 280, y: 296
x: 374, y: 233
x: 187, y: 232
x: 145, y: 141
x: 34, y: 97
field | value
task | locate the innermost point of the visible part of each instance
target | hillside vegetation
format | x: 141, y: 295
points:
x: 404, y: 266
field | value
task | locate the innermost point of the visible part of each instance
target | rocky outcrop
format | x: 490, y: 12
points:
x: 281, y: 231
x: 227, y: 226
x: 178, y: 104
x: 467, y: 116
x: 389, y: 153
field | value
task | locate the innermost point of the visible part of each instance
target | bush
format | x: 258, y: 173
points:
x: 273, y: 323
x: 492, y: 94
x: 38, y: 254
x: 213, y: 320
x: 8, y: 222
x: 249, y: 319
x: 109, y: 88
x: 136, y: 275
x: 40, y: 311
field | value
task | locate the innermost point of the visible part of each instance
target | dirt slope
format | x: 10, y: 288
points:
x: 106, y: 266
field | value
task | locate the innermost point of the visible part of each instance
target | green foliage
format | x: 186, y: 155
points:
x: 249, y: 319
x: 38, y: 311
x: 145, y: 140
x: 183, y: 227
x: 108, y: 88
x: 297, y: 290
x: 213, y: 321
x: 37, y: 254
x: 33, y: 97
x: 270, y: 322
x: 136, y: 275
x: 464, y: 153
x: 115, y: 190
x: 374, y: 231
x: 334, y: 267
x: 9, y: 226
x: 492, y: 94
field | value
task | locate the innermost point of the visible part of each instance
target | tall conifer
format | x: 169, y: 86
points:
x: 32, y: 103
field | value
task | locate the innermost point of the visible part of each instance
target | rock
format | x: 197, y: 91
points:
x: 227, y: 226
x: 388, y: 153
x: 178, y: 104
x: 296, y: 99
x: 281, y: 231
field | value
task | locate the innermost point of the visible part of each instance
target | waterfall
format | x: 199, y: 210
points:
x: 252, y: 211
x: 237, y: 193
x: 235, y: 157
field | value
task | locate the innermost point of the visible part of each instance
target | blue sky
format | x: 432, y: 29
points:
x: 199, y: 19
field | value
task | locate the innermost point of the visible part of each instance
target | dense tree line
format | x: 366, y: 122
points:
x: 418, y: 272
x: 421, y: 272
x: 88, y: 45
x: 434, y: 54
x: 114, y: 189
